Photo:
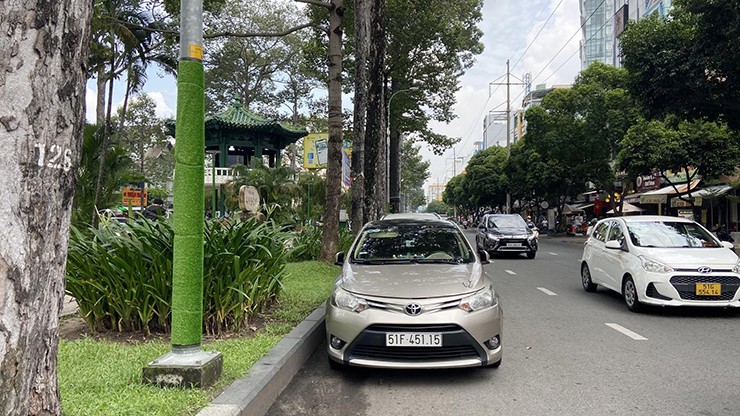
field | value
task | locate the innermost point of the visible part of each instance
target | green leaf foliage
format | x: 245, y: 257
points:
x: 687, y: 64
x: 121, y: 274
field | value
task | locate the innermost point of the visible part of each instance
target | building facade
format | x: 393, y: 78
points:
x: 596, y: 26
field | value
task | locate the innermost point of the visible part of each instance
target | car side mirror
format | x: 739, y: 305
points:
x: 727, y: 244
x: 613, y: 244
x: 339, y: 258
x: 485, y: 258
x: 481, y: 227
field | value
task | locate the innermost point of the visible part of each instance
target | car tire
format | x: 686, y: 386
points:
x: 588, y: 284
x: 531, y: 254
x: 629, y: 293
x: 335, y: 365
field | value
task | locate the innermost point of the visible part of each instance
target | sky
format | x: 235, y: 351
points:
x: 547, y: 30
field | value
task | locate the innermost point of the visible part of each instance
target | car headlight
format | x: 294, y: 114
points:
x: 651, y: 265
x: 492, y: 237
x: 345, y: 300
x: 480, y: 300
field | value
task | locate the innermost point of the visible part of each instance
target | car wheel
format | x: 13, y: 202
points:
x: 531, y: 254
x: 629, y: 292
x: 335, y: 365
x: 588, y: 284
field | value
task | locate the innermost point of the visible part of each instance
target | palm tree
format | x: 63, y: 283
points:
x: 124, y: 44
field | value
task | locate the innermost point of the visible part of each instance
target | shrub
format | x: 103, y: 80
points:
x: 121, y: 274
x: 305, y: 244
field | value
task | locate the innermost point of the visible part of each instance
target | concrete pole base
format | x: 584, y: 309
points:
x: 193, y: 368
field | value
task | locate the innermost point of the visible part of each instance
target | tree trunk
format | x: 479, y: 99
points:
x: 394, y: 155
x: 375, y: 145
x: 330, y: 237
x: 42, y: 108
x: 100, y: 97
x: 363, y: 15
x: 104, y: 141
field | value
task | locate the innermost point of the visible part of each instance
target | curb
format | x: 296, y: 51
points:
x: 254, y: 394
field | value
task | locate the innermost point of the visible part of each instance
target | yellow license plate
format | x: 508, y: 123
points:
x: 708, y: 289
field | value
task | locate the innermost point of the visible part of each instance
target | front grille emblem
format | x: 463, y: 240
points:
x: 413, y: 309
x: 704, y: 270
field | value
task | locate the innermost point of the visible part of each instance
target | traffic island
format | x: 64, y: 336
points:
x: 186, y: 369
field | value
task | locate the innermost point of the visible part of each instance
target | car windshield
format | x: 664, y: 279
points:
x: 513, y: 221
x: 670, y: 234
x: 412, y: 243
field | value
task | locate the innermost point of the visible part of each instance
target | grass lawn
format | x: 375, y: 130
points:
x: 104, y: 377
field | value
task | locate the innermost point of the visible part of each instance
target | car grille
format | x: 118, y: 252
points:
x: 686, y: 286
x: 502, y: 244
x: 457, y: 344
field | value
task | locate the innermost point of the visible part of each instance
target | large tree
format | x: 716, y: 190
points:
x: 42, y: 92
x: 687, y: 64
x: 694, y: 148
x: 414, y: 172
x: 486, y: 180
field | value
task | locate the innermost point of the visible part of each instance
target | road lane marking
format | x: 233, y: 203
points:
x: 553, y: 254
x: 509, y: 271
x: 548, y: 292
x: 625, y: 331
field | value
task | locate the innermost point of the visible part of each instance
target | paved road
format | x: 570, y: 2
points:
x: 567, y: 352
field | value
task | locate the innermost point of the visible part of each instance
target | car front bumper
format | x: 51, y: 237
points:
x: 464, y: 336
x: 511, y: 245
x: 679, y: 289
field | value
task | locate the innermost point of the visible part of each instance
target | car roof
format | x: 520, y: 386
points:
x: 411, y: 215
x: 411, y: 220
x: 650, y: 218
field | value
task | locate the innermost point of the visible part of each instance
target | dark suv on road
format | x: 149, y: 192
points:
x: 506, y: 233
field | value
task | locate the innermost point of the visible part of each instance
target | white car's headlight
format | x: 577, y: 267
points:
x: 345, y: 300
x: 651, y: 265
x: 480, y: 300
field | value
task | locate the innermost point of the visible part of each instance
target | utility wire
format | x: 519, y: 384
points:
x: 538, y: 34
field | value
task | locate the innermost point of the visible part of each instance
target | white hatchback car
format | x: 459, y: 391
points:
x: 661, y: 260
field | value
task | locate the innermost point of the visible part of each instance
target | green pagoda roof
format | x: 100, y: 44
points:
x: 239, y: 118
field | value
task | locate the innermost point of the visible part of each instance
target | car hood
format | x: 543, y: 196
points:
x: 692, y: 257
x: 412, y: 280
x: 510, y: 231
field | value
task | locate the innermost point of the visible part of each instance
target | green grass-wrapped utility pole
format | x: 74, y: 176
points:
x: 187, y: 365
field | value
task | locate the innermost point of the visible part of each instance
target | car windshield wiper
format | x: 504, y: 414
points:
x: 381, y: 261
x: 446, y: 261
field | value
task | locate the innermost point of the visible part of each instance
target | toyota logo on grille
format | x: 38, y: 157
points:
x: 413, y: 309
x: 704, y: 270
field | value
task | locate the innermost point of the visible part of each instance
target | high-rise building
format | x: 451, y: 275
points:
x: 597, y: 29
x: 626, y: 11
x: 494, y: 130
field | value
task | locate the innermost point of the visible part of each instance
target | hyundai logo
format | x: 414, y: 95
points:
x: 413, y: 309
x: 704, y: 270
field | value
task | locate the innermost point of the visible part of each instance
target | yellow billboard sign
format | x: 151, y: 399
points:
x: 315, y: 150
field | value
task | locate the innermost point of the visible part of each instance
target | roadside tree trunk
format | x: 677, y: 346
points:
x: 376, y: 162
x: 330, y: 237
x: 42, y: 90
x: 100, y: 97
x: 363, y: 15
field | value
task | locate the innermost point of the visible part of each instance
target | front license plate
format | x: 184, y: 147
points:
x: 412, y: 339
x: 513, y: 244
x: 708, y: 289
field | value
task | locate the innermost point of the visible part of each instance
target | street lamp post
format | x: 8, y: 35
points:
x: 388, y: 146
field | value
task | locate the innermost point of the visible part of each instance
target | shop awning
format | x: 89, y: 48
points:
x: 632, y: 198
x: 660, y: 196
x: 711, y: 192
x: 627, y: 208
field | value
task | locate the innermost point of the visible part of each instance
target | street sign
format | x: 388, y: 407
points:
x: 132, y: 197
